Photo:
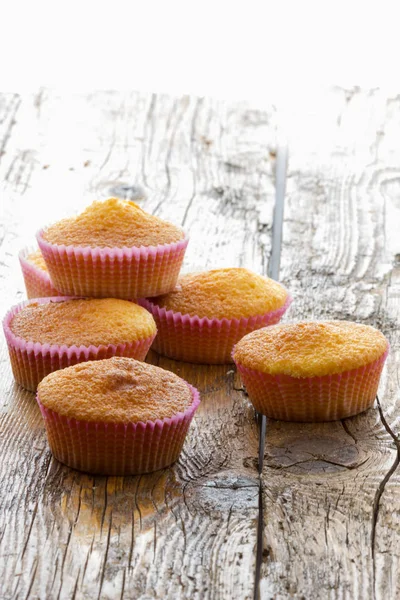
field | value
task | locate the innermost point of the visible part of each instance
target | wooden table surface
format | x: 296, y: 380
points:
x: 325, y: 512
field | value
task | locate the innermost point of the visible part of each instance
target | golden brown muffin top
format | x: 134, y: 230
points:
x: 83, y: 322
x: 310, y: 348
x: 115, y: 390
x: 36, y: 258
x: 113, y: 223
x: 231, y: 293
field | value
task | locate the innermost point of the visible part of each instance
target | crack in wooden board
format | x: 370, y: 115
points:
x: 340, y: 260
x: 188, y: 531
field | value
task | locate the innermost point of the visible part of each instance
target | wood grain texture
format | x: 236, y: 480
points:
x: 330, y: 491
x: 188, y: 531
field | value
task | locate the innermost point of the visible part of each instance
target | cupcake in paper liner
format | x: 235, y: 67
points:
x: 47, y: 334
x: 116, y: 416
x: 207, y: 313
x: 113, y: 249
x: 312, y: 371
x: 36, y: 276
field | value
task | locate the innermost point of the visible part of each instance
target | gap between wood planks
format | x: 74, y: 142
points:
x: 273, y: 272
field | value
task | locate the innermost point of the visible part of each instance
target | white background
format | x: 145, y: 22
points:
x: 249, y: 49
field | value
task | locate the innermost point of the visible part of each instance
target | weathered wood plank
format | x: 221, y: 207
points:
x: 189, y: 531
x: 330, y: 490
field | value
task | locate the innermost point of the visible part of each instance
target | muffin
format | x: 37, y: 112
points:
x: 36, y: 276
x: 209, y: 312
x: 47, y: 334
x: 113, y: 249
x: 312, y: 371
x: 116, y: 416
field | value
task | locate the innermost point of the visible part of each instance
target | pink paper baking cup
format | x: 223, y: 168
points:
x: 118, y: 448
x: 312, y: 399
x: 204, y: 340
x: 113, y: 272
x: 37, y: 282
x: 32, y: 361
